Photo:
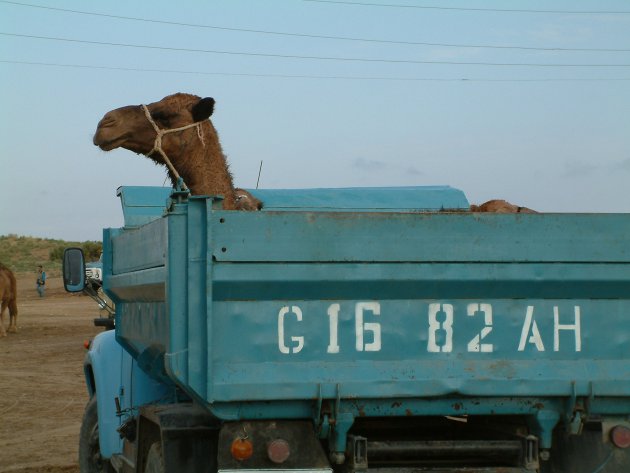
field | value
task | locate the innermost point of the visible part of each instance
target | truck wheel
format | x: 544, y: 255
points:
x: 155, y: 461
x: 90, y: 459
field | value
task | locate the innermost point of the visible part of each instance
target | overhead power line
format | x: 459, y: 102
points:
x: 306, y: 76
x: 302, y: 57
x: 319, y: 36
x: 493, y: 10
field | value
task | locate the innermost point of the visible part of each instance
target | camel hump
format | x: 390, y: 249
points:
x: 500, y: 206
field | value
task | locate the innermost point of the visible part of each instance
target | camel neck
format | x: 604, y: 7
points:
x: 204, y: 168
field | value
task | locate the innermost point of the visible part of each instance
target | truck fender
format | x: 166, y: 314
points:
x: 102, y: 367
x: 120, y: 386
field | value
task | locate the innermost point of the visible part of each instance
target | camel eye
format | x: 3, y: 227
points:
x: 159, y: 116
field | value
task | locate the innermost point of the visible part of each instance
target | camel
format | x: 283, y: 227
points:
x: 8, y: 296
x: 501, y: 207
x: 176, y: 132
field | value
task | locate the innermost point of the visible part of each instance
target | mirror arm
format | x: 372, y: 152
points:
x: 102, y: 303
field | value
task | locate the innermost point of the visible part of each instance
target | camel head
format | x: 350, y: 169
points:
x: 128, y: 127
x: 176, y: 132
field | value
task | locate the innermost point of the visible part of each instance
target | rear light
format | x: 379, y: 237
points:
x: 242, y: 449
x: 87, y: 344
x: 620, y: 436
x: 278, y: 450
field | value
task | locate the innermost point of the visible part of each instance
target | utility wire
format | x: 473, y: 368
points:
x: 304, y: 76
x: 494, y: 10
x: 318, y: 36
x: 318, y: 58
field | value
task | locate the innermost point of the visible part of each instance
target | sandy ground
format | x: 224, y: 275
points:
x: 42, y: 392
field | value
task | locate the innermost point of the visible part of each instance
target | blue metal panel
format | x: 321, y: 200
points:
x: 140, y: 248
x: 404, y: 237
x: 404, y: 364
x: 143, y: 204
x: 372, y: 199
x: 384, y: 281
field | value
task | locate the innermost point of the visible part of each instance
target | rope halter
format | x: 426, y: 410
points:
x: 157, y: 144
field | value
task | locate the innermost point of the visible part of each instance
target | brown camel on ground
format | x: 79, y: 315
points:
x: 179, y: 128
x: 8, y: 296
x: 500, y: 207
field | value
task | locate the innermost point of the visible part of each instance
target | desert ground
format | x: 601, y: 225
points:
x: 42, y: 392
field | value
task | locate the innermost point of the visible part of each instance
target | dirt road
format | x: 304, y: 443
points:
x: 42, y: 393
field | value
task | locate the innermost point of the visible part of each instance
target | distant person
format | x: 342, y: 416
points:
x: 41, y: 280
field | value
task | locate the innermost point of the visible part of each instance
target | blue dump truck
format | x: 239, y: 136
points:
x: 351, y: 330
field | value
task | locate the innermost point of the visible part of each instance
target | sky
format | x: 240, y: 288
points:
x: 531, y: 105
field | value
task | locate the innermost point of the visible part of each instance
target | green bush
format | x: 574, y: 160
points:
x: 56, y: 254
x: 92, y: 250
x: 23, y: 253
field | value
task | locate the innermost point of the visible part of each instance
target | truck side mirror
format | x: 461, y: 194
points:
x: 73, y: 270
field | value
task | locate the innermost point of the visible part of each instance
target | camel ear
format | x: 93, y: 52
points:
x: 203, y: 109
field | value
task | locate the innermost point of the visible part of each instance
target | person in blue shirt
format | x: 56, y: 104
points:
x: 41, y: 280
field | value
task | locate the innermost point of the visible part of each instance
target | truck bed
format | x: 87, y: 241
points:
x: 387, y: 309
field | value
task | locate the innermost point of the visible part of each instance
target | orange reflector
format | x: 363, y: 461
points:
x: 242, y: 449
x: 86, y: 344
x: 620, y: 436
x: 278, y: 450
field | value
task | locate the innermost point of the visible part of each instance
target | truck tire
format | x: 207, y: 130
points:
x: 90, y: 459
x: 155, y: 461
